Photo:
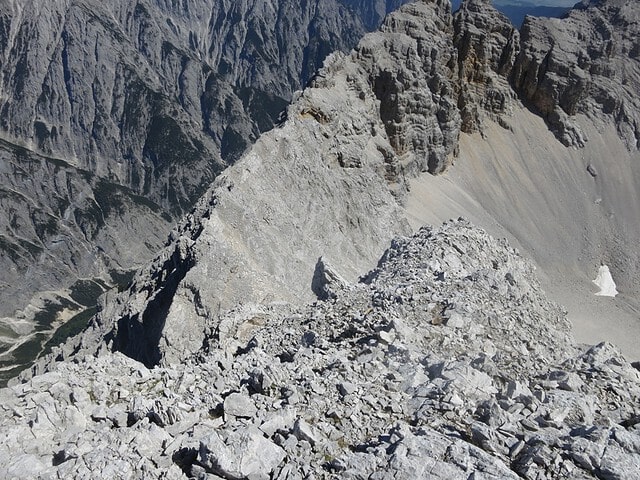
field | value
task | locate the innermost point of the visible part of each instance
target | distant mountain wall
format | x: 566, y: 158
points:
x: 517, y: 11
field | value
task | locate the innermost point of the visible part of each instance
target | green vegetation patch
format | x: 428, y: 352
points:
x: 25, y: 354
x: 86, y: 292
x: 11, y: 250
x: 30, y: 247
x: 71, y: 328
x: 19, y: 250
x: 263, y: 107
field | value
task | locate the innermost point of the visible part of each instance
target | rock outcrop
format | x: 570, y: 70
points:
x: 446, y: 361
x: 585, y: 63
x: 487, y: 46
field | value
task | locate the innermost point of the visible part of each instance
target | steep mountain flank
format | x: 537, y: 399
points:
x: 116, y: 117
x: 584, y: 63
x: 318, y: 186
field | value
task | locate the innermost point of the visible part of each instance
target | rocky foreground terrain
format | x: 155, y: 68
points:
x: 264, y: 342
x: 446, y: 361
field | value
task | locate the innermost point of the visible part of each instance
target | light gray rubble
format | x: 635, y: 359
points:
x: 446, y: 361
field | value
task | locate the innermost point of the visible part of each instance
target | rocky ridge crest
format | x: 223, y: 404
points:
x: 445, y: 361
x: 392, y: 108
x: 342, y: 156
x: 427, y: 76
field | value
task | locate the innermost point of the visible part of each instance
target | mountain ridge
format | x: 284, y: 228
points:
x: 393, y: 126
x: 432, y: 355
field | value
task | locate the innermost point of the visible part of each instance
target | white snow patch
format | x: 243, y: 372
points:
x: 605, y: 282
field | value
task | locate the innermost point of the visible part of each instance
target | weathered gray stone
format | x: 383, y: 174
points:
x: 244, y: 454
x: 239, y: 405
x: 587, y: 63
x: 303, y: 431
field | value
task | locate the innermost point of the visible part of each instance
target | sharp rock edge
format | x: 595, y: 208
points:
x: 319, y: 185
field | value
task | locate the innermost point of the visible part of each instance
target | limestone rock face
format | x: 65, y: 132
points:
x: 584, y: 63
x: 487, y: 45
x: 318, y: 186
x: 253, y: 238
x: 436, y: 74
x: 73, y: 225
x: 410, y: 64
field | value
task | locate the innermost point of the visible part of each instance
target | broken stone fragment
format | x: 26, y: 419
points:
x: 327, y: 282
x: 303, y: 431
x: 243, y: 454
x: 282, y: 419
x: 239, y: 405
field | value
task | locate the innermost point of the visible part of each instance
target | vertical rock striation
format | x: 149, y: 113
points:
x: 487, y: 45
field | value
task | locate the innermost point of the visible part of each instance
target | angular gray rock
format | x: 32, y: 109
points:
x: 245, y: 454
x: 585, y: 63
x: 239, y: 405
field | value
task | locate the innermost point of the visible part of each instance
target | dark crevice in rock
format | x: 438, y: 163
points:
x: 138, y: 336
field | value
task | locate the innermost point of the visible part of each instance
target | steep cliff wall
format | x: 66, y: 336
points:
x: 571, y: 208
x: 369, y: 121
x: 584, y: 63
